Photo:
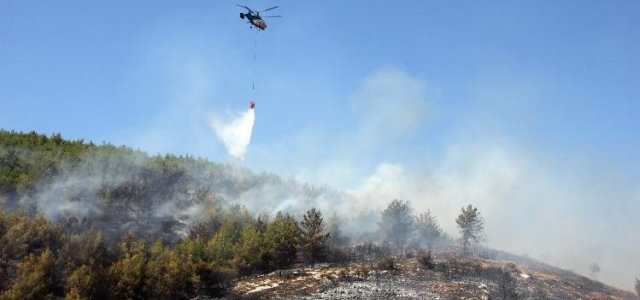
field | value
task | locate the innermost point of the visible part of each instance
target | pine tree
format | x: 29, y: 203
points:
x: 222, y: 245
x: 127, y: 274
x: 427, y: 228
x: 248, y: 256
x: 471, y: 227
x: 396, y: 224
x: 313, y: 239
x: 83, y: 284
x: 178, y: 277
x: 86, y: 249
x: 36, y: 278
x: 156, y: 270
x: 281, y: 241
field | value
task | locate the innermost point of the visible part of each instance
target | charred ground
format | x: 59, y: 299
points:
x: 452, y: 276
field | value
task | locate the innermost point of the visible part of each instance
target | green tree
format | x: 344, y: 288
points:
x: 427, y: 228
x: 638, y: 286
x: 25, y: 236
x: 156, y: 269
x: 3, y: 221
x: 35, y: 278
x: 313, y: 238
x: 127, y: 274
x: 396, y: 224
x: 222, y: 245
x: 248, y: 254
x: 168, y: 272
x: 74, y: 295
x: 281, y: 240
x: 179, y: 271
x: 471, y: 227
x: 84, y: 283
x: 86, y: 249
x: 195, y: 268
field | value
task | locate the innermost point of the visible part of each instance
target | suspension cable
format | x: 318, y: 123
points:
x: 255, y: 58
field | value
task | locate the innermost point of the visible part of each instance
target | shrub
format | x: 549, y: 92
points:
x: 367, y: 251
x: 539, y: 295
x: 456, y: 268
x: 362, y: 272
x: 409, y: 254
x: 286, y: 274
x: 338, y: 256
x: 507, y: 287
x: 510, y: 268
x: 387, y: 263
x: 492, y: 273
x: 425, y: 259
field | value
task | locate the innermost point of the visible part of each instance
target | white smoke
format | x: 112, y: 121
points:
x: 569, y: 208
x: 235, y: 132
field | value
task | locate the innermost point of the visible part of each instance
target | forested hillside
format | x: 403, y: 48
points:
x: 86, y: 221
x: 118, y: 189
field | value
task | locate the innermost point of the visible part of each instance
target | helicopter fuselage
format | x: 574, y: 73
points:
x: 254, y: 20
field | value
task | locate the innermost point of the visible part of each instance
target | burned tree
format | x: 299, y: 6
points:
x: 427, y: 229
x: 337, y: 238
x: 471, y: 227
x: 594, y: 268
x: 508, y: 287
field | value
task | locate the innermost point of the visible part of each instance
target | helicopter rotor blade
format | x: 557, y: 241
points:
x: 271, y: 16
x: 246, y: 7
x: 267, y: 9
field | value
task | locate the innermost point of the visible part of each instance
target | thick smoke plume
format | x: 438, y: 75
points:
x: 235, y: 132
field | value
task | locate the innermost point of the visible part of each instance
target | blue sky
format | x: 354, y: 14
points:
x: 558, y: 75
x: 528, y: 106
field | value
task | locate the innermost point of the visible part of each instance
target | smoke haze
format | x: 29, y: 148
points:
x: 568, y: 209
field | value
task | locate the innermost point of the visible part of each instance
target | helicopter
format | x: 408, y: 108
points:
x: 254, y: 18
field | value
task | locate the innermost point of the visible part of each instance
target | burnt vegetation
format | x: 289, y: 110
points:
x: 86, y: 221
